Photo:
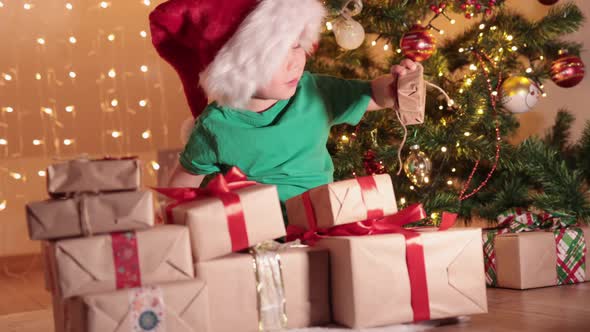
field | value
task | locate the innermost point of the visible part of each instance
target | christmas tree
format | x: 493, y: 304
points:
x: 493, y: 69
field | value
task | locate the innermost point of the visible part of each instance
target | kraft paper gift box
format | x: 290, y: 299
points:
x: 89, y: 214
x: 210, y: 232
x: 177, y: 306
x: 344, y: 202
x: 371, y: 284
x: 121, y: 260
x: 233, y: 298
x: 85, y: 175
x: 534, y: 259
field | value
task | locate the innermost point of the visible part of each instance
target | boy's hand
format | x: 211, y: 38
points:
x: 385, y: 87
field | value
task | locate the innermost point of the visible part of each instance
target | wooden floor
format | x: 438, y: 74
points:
x: 26, y: 307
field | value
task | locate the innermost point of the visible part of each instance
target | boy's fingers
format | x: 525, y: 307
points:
x: 411, y: 65
x: 398, y: 70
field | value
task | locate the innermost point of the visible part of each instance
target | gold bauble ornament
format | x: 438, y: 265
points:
x: 519, y: 94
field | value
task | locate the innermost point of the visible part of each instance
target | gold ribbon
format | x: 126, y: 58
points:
x: 270, y: 288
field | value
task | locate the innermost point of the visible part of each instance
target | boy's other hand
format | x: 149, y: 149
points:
x: 403, y: 68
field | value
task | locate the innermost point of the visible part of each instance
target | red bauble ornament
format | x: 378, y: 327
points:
x: 548, y: 2
x: 371, y: 165
x: 567, y: 71
x: 418, y: 44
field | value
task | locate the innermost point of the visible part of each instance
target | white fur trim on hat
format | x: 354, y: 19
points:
x: 259, y: 47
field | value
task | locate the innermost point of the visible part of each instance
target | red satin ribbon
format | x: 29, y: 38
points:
x: 369, y: 187
x: 126, y: 258
x: 221, y: 187
x: 388, y: 225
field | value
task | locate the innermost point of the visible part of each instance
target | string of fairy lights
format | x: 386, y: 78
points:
x: 120, y: 97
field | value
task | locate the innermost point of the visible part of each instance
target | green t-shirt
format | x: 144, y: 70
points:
x: 284, y: 145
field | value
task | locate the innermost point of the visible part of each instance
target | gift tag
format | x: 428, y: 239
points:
x: 147, y: 310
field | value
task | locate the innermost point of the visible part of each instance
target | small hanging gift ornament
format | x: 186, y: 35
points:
x: 567, y: 70
x: 418, y: 44
x: 349, y: 33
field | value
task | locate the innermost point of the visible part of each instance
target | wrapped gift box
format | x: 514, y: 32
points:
x: 371, y: 281
x: 122, y: 260
x: 209, y: 225
x: 232, y: 285
x: 343, y: 202
x: 89, y: 214
x: 84, y: 175
x: 178, y: 306
x: 533, y: 259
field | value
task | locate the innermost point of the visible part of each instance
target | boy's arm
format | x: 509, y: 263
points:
x: 384, y: 88
x: 181, y: 178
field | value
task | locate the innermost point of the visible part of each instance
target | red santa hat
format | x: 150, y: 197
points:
x: 226, y: 49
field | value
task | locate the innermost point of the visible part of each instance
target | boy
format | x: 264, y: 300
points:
x: 270, y: 118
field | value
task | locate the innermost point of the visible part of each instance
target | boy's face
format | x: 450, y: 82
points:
x: 285, y: 80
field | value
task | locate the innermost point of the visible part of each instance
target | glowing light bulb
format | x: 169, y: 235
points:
x: 402, y: 201
x: 69, y: 6
x: 472, y: 67
x: 47, y: 110
x: 147, y: 2
x: 143, y: 103
x: 73, y: 40
x: 461, y: 50
x: 111, y: 37
x: 3, y: 141
x: 442, y: 32
x: 41, y: 173
x: 16, y: 176
x: 146, y: 134
x: 143, y: 34
x: 399, y: 50
x: 104, y: 4
x: 1, y: 4
x: 453, y: 21
x: 112, y: 73
x: 38, y: 76
x: 329, y: 26
x: 509, y: 38
x: 454, y: 170
x: 373, y: 43
x: 114, y: 102
x: 386, y: 47
x: 70, y: 108
x: 27, y: 6
x: 514, y: 48
x: 68, y: 142
x: 467, y: 134
x: 155, y: 165
x: 529, y: 70
x: 8, y: 109
x: 3, y: 205
x: 482, y: 26
x: 40, y: 41
x: 144, y: 68
x: 480, y: 111
x: 443, y: 149
x: 116, y: 134
x: 72, y: 74
x: 344, y: 139
x: 37, y: 142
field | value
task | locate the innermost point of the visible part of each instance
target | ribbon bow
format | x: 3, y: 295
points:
x: 517, y: 220
x: 221, y: 187
x: 386, y: 225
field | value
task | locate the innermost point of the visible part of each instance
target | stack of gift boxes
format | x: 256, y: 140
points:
x: 100, y: 248
x: 215, y: 269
